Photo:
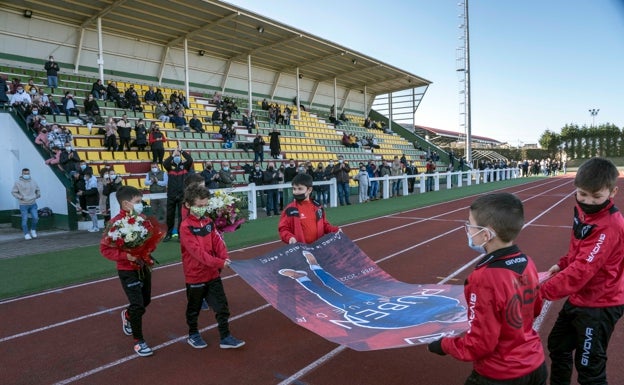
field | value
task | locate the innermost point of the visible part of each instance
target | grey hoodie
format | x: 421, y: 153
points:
x: 26, y: 191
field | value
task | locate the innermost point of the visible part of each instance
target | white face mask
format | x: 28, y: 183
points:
x: 138, y: 208
x: 154, y: 169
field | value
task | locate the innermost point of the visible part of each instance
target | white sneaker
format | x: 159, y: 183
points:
x: 27, y: 237
x: 94, y: 230
x: 33, y: 233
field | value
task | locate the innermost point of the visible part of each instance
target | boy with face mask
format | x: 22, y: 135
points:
x: 303, y: 220
x: 204, y: 255
x: 503, y: 300
x: 591, y: 276
x: 136, y: 279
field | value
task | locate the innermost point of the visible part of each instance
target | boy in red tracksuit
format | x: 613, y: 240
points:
x: 204, y: 255
x: 591, y: 275
x: 503, y: 299
x: 303, y: 220
x: 136, y: 280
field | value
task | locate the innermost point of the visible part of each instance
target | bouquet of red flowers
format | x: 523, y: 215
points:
x: 137, y: 236
x: 224, y: 211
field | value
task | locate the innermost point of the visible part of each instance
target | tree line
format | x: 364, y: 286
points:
x: 576, y: 141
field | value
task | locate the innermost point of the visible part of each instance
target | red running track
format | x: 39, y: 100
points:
x: 73, y: 335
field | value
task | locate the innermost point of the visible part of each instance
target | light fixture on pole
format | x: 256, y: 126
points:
x: 593, y: 112
x: 201, y: 52
x: 28, y: 13
x: 260, y: 29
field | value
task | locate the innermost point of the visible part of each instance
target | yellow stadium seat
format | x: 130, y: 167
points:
x: 81, y: 142
x: 93, y: 155
x: 131, y: 155
x: 106, y: 155
x: 119, y: 168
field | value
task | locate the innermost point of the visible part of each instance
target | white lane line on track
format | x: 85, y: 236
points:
x: 302, y: 372
x: 163, y: 345
x: 333, y: 353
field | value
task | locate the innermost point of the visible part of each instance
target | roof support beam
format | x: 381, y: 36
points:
x: 203, y: 28
x: 78, y: 50
x: 278, y: 76
x: 102, y: 13
x: 226, y: 74
x: 264, y: 48
x: 313, y: 94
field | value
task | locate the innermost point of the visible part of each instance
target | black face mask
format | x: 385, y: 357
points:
x: 208, y: 167
x: 593, y: 209
x: 299, y: 197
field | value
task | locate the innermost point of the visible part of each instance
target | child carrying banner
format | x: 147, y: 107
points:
x: 303, y: 220
x: 503, y: 299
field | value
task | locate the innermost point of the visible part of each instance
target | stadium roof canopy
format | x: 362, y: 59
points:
x: 227, y: 32
x: 446, y: 137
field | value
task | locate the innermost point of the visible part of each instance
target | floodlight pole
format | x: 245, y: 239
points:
x: 593, y: 112
x: 468, y: 118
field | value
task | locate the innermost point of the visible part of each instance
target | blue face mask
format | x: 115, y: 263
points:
x: 479, y: 248
x: 176, y: 159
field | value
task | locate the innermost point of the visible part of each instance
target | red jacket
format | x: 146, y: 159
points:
x: 592, y: 270
x: 503, y: 299
x: 290, y: 223
x: 113, y: 253
x: 203, y: 250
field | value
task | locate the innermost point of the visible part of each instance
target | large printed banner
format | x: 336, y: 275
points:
x: 333, y: 289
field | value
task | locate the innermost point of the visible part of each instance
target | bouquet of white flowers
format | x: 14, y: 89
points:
x: 136, y: 235
x: 224, y: 210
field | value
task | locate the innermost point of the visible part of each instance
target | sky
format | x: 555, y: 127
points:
x: 535, y: 64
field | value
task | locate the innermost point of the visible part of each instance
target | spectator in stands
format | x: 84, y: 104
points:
x: 98, y: 90
x: 249, y: 121
x: 289, y: 173
x: 65, y: 136
x: 112, y: 183
x: 92, y: 199
x: 228, y: 133
x: 411, y: 169
x: 210, y: 176
x: 287, y: 114
x: 183, y: 100
x: 21, y: 100
x: 123, y: 130
x: 341, y: 173
x: 175, y: 107
x: 157, y: 141
x: 216, y: 99
x: 265, y: 105
x: 110, y: 136
x: 32, y: 88
x: 53, y: 137
x: 140, y: 134
x: 39, y: 123
x: 217, y: 117
x: 150, y: 96
x: 30, y: 119
x: 112, y: 93
x: 396, y: 169
x: 272, y: 176
x: 92, y: 110
x: 180, y: 121
x: 157, y: 181
x: 4, y: 90
x: 258, y: 147
x: 15, y: 84
x: 321, y: 191
x: 274, y: 143
x: 177, y: 170
x: 430, y: 168
x: 373, y: 172
x: 196, y: 124
x: 162, y: 112
x: 272, y: 114
x: 160, y: 98
x: 134, y: 101
x: 55, y: 159
x: 43, y: 102
x: 225, y: 177
x: 403, y: 160
x: 53, y: 106
x: 346, y: 141
x: 52, y: 69
x: 27, y: 191
x: 385, y: 168
x: 343, y: 117
x: 69, y: 105
x: 363, y: 184
x: 42, y: 139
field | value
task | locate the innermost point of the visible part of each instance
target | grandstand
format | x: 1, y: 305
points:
x: 284, y: 62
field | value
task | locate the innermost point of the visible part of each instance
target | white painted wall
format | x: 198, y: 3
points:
x: 18, y: 152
